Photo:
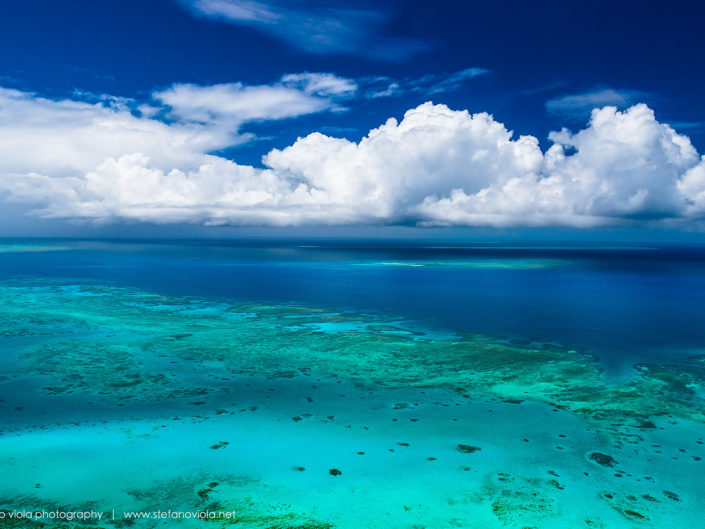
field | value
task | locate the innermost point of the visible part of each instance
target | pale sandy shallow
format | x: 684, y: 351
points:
x: 121, y: 400
x: 15, y: 248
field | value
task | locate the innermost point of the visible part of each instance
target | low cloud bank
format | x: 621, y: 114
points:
x: 105, y: 162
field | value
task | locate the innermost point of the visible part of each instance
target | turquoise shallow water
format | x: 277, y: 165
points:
x: 119, y: 398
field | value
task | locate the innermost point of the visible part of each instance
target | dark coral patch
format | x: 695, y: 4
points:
x: 602, y: 459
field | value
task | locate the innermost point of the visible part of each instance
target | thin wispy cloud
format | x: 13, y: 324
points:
x: 430, y: 84
x: 389, y: 89
x: 315, y: 28
x: 331, y: 129
x: 692, y: 126
x: 579, y: 106
x: 106, y: 99
x: 227, y: 106
x: 437, y: 84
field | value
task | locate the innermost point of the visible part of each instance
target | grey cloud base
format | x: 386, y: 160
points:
x: 436, y: 167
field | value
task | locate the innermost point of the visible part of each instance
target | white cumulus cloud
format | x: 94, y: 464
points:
x: 436, y: 166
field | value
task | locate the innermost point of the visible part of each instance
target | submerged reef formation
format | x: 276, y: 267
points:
x: 121, y: 344
x: 88, y: 358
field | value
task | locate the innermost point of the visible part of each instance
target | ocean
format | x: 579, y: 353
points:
x: 351, y: 384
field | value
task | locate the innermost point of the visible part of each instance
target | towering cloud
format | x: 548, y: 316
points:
x: 103, y: 162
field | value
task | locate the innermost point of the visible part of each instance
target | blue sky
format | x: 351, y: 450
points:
x: 240, y: 81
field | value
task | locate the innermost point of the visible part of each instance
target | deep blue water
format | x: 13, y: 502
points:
x: 624, y: 304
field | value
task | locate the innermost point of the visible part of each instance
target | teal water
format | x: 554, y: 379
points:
x: 332, y: 387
